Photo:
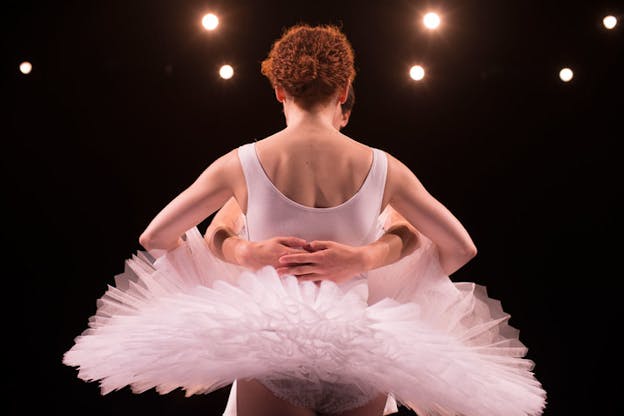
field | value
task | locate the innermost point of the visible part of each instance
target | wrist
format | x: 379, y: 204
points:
x: 368, y: 256
x: 377, y: 254
x: 234, y: 250
x: 242, y: 250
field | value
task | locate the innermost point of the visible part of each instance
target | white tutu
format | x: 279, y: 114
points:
x: 188, y: 320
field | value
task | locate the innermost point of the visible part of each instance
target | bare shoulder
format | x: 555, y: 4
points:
x: 361, y: 152
x: 396, y: 168
x: 355, y: 143
x: 270, y: 146
x: 225, y: 170
x: 393, y: 160
x: 226, y: 173
x: 227, y: 163
x: 398, y: 176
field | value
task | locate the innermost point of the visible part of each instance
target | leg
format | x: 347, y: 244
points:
x: 253, y: 399
x: 373, y: 408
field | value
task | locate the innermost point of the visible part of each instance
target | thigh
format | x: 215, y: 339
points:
x: 253, y: 399
x: 373, y: 408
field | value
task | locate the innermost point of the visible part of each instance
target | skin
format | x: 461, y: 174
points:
x: 308, y: 152
x: 314, y: 260
x: 328, y: 157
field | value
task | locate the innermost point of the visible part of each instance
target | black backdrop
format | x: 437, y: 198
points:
x: 124, y: 109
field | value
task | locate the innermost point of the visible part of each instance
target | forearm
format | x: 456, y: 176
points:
x: 409, y: 238
x: 451, y: 261
x: 398, y: 241
x: 157, y: 249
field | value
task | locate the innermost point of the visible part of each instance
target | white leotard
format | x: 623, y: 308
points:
x: 270, y: 213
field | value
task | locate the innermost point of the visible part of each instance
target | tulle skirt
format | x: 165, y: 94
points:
x: 188, y: 320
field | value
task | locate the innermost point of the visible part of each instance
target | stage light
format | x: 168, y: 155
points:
x: 566, y: 74
x: 417, y: 72
x: 609, y: 22
x: 431, y: 20
x: 25, y: 67
x: 226, y: 72
x: 210, y: 21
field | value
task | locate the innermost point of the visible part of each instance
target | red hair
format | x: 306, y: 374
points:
x: 311, y: 63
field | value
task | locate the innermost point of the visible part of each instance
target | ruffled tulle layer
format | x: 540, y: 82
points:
x: 189, y: 321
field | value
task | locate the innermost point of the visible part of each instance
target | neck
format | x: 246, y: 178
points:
x: 319, y: 116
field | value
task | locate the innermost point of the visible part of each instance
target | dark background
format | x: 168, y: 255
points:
x: 124, y: 109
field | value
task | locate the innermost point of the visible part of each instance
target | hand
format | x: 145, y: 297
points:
x: 257, y: 254
x: 324, y: 260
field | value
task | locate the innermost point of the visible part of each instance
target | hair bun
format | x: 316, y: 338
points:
x: 308, y: 69
x: 311, y: 63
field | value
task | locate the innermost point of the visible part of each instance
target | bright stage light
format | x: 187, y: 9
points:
x: 25, y: 67
x: 226, y: 72
x: 609, y: 22
x: 431, y: 20
x: 417, y: 72
x: 210, y: 21
x: 566, y: 74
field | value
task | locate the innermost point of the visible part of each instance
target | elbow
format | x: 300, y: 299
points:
x: 470, y: 251
x: 150, y: 242
x: 146, y: 241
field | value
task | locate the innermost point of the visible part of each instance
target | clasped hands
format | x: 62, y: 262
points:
x: 307, y: 260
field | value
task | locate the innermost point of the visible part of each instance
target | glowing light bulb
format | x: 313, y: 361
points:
x: 566, y: 74
x: 417, y: 72
x: 25, y: 67
x: 210, y: 21
x: 431, y: 20
x: 226, y: 72
x: 609, y: 22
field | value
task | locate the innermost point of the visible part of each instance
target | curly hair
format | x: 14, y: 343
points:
x: 310, y: 63
x: 347, y: 106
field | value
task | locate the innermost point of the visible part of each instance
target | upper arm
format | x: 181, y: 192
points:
x: 219, y: 182
x: 393, y: 218
x: 407, y: 195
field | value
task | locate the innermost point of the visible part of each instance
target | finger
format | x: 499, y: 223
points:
x: 292, y: 241
x: 282, y: 271
x: 309, y: 277
x: 301, y: 269
x: 317, y: 245
x: 287, y: 270
x: 289, y: 251
x: 297, y: 258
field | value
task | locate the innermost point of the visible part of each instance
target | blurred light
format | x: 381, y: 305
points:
x: 566, y: 74
x: 609, y: 22
x: 25, y: 67
x: 431, y: 20
x: 226, y: 72
x: 417, y: 72
x: 210, y: 21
